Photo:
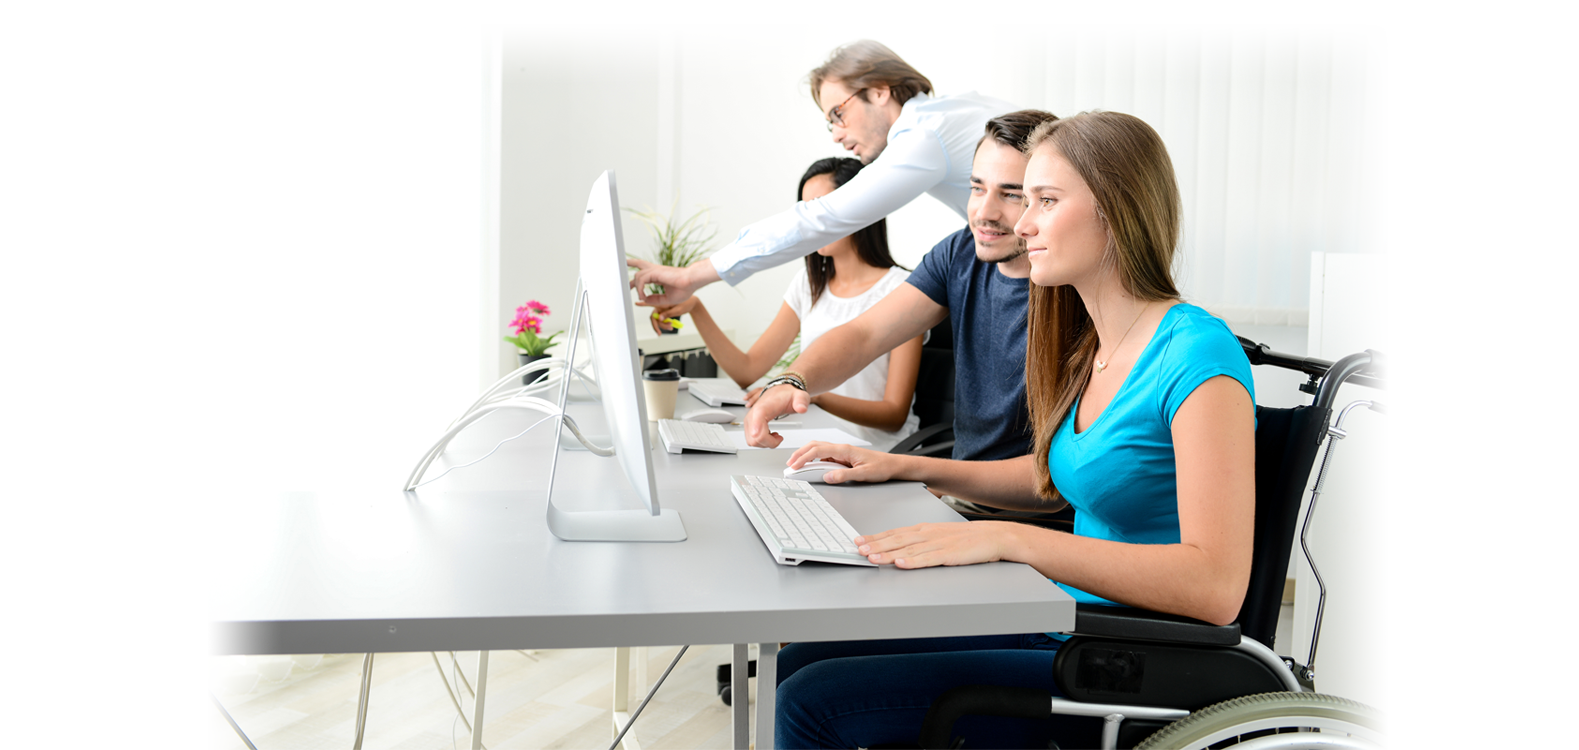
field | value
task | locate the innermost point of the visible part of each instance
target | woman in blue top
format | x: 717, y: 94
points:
x: 1144, y: 420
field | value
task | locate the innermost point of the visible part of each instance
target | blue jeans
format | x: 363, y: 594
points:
x: 850, y: 694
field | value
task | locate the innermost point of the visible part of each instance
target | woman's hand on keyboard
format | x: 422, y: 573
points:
x: 865, y: 465
x: 928, y: 545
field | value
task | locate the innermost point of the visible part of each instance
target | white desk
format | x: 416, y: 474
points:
x: 467, y: 563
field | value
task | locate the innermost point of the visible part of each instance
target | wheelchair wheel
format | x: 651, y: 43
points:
x: 1274, y: 720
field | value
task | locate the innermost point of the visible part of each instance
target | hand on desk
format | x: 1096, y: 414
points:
x: 865, y: 465
x: 769, y: 405
x: 931, y: 544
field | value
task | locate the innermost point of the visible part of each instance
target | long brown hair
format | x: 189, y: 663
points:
x: 871, y: 241
x: 1126, y: 166
x: 865, y: 64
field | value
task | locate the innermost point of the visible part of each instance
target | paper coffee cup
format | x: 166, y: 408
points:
x: 662, y: 387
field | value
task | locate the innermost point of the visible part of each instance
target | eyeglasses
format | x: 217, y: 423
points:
x: 836, y: 115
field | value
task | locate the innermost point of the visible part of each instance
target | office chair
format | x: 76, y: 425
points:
x: 1161, y: 680
x: 934, y: 402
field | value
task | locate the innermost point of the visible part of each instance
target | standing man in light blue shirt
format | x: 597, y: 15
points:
x: 881, y: 110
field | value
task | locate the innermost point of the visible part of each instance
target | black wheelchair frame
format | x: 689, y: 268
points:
x: 1164, y: 681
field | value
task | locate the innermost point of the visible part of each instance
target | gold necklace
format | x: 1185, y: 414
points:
x: 1103, y: 365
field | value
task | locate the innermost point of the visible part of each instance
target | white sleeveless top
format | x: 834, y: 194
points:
x: 831, y: 312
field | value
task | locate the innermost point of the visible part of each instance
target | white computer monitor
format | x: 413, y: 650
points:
x: 604, y: 303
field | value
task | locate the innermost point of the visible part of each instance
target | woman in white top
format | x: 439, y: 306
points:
x: 840, y: 281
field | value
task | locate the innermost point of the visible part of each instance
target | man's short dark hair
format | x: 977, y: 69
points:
x: 1014, y: 128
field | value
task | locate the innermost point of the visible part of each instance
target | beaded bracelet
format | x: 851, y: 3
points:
x: 782, y: 380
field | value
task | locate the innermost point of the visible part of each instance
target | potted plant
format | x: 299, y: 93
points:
x: 677, y: 244
x: 530, y: 347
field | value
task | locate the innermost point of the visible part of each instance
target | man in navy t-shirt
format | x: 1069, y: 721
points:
x: 977, y: 277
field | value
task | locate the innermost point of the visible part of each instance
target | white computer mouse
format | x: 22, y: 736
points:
x: 812, y: 471
x: 716, y: 416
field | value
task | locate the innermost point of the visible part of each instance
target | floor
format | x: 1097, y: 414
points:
x: 540, y: 699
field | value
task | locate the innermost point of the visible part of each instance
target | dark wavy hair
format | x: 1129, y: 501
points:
x: 871, y: 243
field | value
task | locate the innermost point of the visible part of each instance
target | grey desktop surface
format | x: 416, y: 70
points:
x: 464, y: 565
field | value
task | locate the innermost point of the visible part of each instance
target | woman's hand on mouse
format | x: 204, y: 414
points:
x: 865, y: 465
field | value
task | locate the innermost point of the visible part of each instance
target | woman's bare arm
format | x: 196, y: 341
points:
x: 745, y: 367
x: 898, y: 393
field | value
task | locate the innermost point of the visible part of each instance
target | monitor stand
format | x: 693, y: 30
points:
x: 634, y: 525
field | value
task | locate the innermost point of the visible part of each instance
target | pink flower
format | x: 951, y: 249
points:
x: 526, y: 321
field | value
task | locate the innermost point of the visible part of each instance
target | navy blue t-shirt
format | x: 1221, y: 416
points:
x: 987, y: 314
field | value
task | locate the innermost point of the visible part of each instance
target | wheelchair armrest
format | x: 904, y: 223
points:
x: 1140, y: 624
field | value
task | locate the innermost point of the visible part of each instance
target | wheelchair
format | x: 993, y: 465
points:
x: 1165, y: 681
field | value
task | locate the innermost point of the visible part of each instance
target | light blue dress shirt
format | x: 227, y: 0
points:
x: 930, y: 149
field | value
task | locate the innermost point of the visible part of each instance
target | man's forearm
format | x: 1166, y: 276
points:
x: 701, y: 273
x: 839, y: 354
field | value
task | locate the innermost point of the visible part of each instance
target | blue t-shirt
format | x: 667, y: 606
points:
x: 1120, y: 474
x: 987, y: 315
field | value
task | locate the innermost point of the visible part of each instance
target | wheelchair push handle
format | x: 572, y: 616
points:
x: 1395, y: 370
x: 1364, y: 368
x: 1367, y: 368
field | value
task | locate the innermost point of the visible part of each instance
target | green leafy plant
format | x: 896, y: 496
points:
x: 680, y: 243
x: 528, y: 324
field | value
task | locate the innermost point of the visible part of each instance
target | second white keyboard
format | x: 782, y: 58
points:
x: 678, y: 435
x: 795, y: 521
x: 718, y: 393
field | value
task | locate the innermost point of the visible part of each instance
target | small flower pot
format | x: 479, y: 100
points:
x: 526, y: 359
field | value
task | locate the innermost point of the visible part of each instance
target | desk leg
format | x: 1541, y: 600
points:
x: 482, y: 689
x: 767, y: 692
x: 740, y: 698
x: 622, y: 692
x: 361, y: 701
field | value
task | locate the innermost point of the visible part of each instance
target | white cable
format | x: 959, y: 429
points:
x: 489, y: 453
x: 528, y: 402
x: 542, y: 365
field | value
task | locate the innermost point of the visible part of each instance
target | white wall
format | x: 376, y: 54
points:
x: 567, y: 115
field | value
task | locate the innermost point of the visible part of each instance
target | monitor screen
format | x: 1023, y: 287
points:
x: 614, y: 352
x: 606, y: 301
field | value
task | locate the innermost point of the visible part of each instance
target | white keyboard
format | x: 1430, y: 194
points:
x: 795, y: 521
x: 717, y: 393
x: 679, y: 435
